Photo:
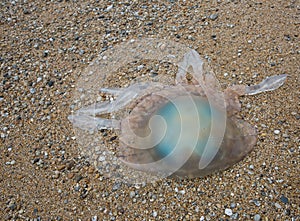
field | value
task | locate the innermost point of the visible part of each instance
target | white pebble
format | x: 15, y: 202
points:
x: 228, y: 212
x: 154, y: 214
x: 257, y: 217
x: 276, y: 132
x: 109, y: 8
x: 277, y: 205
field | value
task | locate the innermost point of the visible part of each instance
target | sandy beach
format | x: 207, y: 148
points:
x: 47, y: 45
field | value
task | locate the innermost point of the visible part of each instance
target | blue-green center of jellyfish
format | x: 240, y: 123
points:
x: 196, y: 115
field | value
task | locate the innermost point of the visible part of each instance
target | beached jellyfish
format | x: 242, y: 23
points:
x: 188, y: 129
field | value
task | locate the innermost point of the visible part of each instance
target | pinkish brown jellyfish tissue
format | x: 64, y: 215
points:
x: 188, y: 128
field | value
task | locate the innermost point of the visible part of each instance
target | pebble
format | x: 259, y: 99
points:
x: 256, y: 217
x: 109, y: 8
x: 284, y: 199
x: 228, y: 212
x: 12, y: 206
x: 116, y: 186
x: 277, y: 205
x: 32, y: 90
x: 132, y: 194
x: 235, y: 216
x: 213, y: 16
x: 276, y: 132
x: 256, y: 202
x: 154, y: 214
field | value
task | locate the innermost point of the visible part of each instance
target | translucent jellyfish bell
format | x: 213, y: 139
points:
x: 188, y: 129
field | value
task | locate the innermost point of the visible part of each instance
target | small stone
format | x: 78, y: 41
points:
x: 116, y: 186
x: 45, y: 53
x: 109, y: 8
x: 276, y: 132
x: 61, y: 167
x: 50, y: 83
x: 228, y: 212
x: 39, y: 79
x: 12, y: 206
x: 132, y: 194
x: 277, y: 205
x: 32, y: 90
x: 284, y: 199
x: 56, y: 175
x: 78, y: 177
x: 256, y: 202
x: 140, y: 67
x: 256, y: 217
x: 76, y: 187
x: 232, y: 205
x: 235, y: 216
x: 154, y: 214
x: 213, y: 16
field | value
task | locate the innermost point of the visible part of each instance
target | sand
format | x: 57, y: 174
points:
x: 45, y: 46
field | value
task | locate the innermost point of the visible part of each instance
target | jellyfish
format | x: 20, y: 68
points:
x: 188, y: 129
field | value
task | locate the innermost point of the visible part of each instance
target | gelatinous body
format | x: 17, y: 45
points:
x: 189, y: 129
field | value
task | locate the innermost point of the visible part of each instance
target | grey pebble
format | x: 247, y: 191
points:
x: 256, y: 202
x: 12, y: 206
x: 116, y: 186
x: 77, y: 187
x: 132, y: 194
x: 45, y: 53
x: 213, y: 16
x: 235, y: 216
x: 284, y: 199
x: 32, y: 90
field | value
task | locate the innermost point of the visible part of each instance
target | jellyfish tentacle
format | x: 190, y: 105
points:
x: 268, y: 84
x: 85, y: 118
x: 124, y: 96
x: 90, y: 123
x: 113, y: 91
x: 95, y: 109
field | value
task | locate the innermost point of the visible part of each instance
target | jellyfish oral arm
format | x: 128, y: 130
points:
x: 90, y: 123
x: 192, y: 58
x: 268, y: 84
x: 86, y: 119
